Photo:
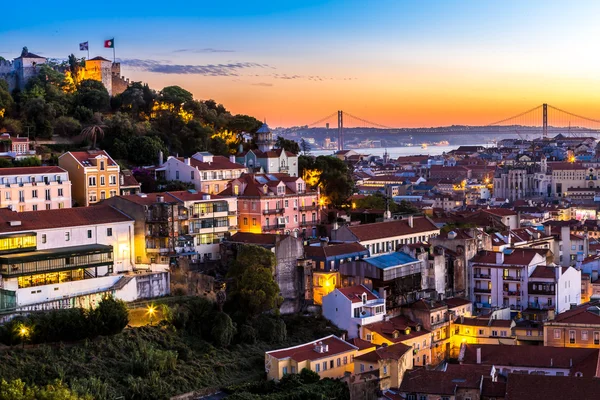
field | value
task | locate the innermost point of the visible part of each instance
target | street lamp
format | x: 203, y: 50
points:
x: 23, y: 333
x: 151, y: 311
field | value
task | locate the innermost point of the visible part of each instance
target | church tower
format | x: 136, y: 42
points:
x: 264, y: 138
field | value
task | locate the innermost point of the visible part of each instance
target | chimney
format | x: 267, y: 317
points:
x: 187, y: 161
x: 551, y: 362
x: 479, y: 355
x: 232, y: 158
x: 241, y: 148
x: 121, y: 179
x: 570, y: 362
x: 410, y: 221
x: 499, y: 257
x: 160, y: 199
x: 160, y: 158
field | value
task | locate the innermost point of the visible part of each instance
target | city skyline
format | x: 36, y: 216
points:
x: 292, y: 63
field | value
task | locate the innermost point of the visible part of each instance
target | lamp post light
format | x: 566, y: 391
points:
x: 151, y: 311
x: 23, y: 333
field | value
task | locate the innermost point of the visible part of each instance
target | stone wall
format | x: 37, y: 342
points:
x: 119, y: 84
x: 289, y: 275
x: 152, y: 285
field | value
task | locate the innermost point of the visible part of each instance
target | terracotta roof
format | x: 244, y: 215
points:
x: 307, y: 351
x: 461, y: 234
x: 354, y: 293
x: 420, y: 380
x: 501, y: 212
x: 497, y: 323
x: 31, y: 170
x: 361, y: 344
x: 59, y: 218
x: 491, y: 389
x: 588, y: 313
x: 380, y: 230
x: 399, y: 324
x: 543, y: 272
x: 541, y: 387
x: 98, y: 58
x: 129, y: 180
x: 393, y: 352
x: 575, y: 359
x: 333, y: 250
x: 218, y: 162
x: 520, y: 256
x: 454, y: 302
x: 424, y: 304
x: 256, y: 238
x: 83, y: 157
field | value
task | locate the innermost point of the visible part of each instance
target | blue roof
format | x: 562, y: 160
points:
x: 390, y: 260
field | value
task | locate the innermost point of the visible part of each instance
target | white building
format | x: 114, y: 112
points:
x: 209, y: 174
x: 34, y: 188
x: 352, y: 307
x: 69, y: 257
x: 387, y: 237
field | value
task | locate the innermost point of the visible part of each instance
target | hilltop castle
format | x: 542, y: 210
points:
x: 19, y: 71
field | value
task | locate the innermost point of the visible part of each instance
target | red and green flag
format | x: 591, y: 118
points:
x: 109, y: 44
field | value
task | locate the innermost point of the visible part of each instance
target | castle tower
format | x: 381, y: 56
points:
x: 264, y: 138
x: 100, y: 69
x: 26, y: 67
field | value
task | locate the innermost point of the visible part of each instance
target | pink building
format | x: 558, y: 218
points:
x: 34, y: 188
x: 275, y: 203
x: 15, y: 147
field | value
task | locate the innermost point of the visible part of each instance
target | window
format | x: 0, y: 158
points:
x: 47, y: 206
x: 47, y: 193
x: 494, y: 333
x: 113, y: 179
x: 34, y: 193
x: 317, y: 368
x: 572, y: 337
x: 101, y: 165
x: 481, y: 331
x: 285, y: 370
x: 34, y: 207
x: 60, y: 205
x: 245, y: 221
x: 43, y: 238
x: 385, y: 369
x: 108, y: 231
x: 503, y: 333
x: 67, y: 236
x: 89, y: 233
x: 345, y: 360
x: 330, y: 363
x: 177, y: 175
x: 92, y: 181
x: 103, y: 195
x: 362, y: 367
x: 339, y: 362
x: 529, y: 333
x: 21, y: 196
x: 102, y: 180
x: 324, y: 365
x: 60, y: 192
x: 113, y: 193
x: 557, y: 334
x: 192, y: 175
x: 293, y: 369
x: 93, y: 197
x: 7, y: 195
x: 253, y: 221
x: 596, y: 337
x: 584, y: 335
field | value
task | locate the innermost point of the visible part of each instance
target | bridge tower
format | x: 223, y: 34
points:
x: 545, y: 120
x: 340, y: 130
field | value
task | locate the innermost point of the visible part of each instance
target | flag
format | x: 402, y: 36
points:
x: 84, y: 46
x: 109, y: 44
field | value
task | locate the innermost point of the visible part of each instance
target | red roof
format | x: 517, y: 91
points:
x: 333, y: 250
x: 393, y: 352
x: 361, y: 344
x: 454, y: 302
x: 541, y: 387
x: 520, y: 256
x: 399, y: 325
x: 380, y: 230
x: 543, y: 272
x: 588, y: 313
x: 420, y: 380
x: 218, y: 162
x: 501, y: 212
x: 31, y: 170
x: 497, y: 323
x: 84, y: 156
x: 563, y: 166
x: 308, y: 351
x: 59, y: 218
x: 575, y: 359
x: 354, y: 293
x: 256, y: 238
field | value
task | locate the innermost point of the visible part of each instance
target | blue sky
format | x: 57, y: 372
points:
x: 397, y: 62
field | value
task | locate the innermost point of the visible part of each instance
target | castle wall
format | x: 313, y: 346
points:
x: 8, y: 75
x: 100, y: 71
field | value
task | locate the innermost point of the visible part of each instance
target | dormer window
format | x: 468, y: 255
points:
x: 101, y: 165
x: 364, y: 298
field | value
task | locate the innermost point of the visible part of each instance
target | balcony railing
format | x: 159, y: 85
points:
x: 312, y: 207
x: 513, y: 278
x: 308, y: 223
x: 482, y: 290
x: 273, y: 211
x: 482, y: 276
x: 542, y: 291
x: 273, y: 226
x: 512, y: 292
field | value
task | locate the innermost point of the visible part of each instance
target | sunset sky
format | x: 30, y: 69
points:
x: 398, y: 63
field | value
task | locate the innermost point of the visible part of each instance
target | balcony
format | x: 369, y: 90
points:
x: 512, y: 293
x: 273, y: 211
x: 308, y: 223
x: 312, y: 207
x: 160, y: 250
x: 232, y: 213
x: 482, y: 276
x: 482, y: 290
x: 273, y: 226
x: 540, y: 306
x: 542, y: 292
x: 513, y: 278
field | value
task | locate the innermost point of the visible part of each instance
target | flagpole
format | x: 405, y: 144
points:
x: 88, y: 49
x: 114, y: 57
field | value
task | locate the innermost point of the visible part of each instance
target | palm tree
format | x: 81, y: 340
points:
x: 93, y: 132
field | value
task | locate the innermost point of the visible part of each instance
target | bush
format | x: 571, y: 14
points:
x: 223, y: 329
x: 110, y: 317
x: 271, y: 329
x: 247, y: 334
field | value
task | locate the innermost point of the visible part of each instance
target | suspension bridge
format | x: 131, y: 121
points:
x: 539, y: 120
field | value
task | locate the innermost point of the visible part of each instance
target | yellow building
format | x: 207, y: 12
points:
x: 330, y: 357
x: 480, y: 331
x: 94, y: 175
x: 387, y: 363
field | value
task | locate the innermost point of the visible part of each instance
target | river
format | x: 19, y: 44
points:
x: 396, y: 152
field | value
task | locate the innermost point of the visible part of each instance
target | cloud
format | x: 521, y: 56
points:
x: 314, y: 78
x: 205, y: 50
x: 229, y: 69
x: 264, y: 84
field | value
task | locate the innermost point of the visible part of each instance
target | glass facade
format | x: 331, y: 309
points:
x: 13, y: 243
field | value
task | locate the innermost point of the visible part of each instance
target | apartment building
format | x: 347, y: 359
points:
x: 579, y: 327
x: 387, y: 237
x: 178, y: 224
x: 275, y: 203
x: 69, y: 257
x: 208, y: 173
x: 330, y: 357
x: 15, y: 147
x: 94, y: 176
x: 34, y: 188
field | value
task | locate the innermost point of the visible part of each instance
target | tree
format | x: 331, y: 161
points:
x: 288, y: 145
x: 304, y: 146
x: 110, y: 317
x: 331, y: 174
x: 223, y: 330
x: 253, y: 287
x: 93, y: 95
x: 67, y: 126
x: 144, y: 150
x: 376, y: 202
x: 243, y: 123
x: 175, y: 95
x: 94, y: 131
